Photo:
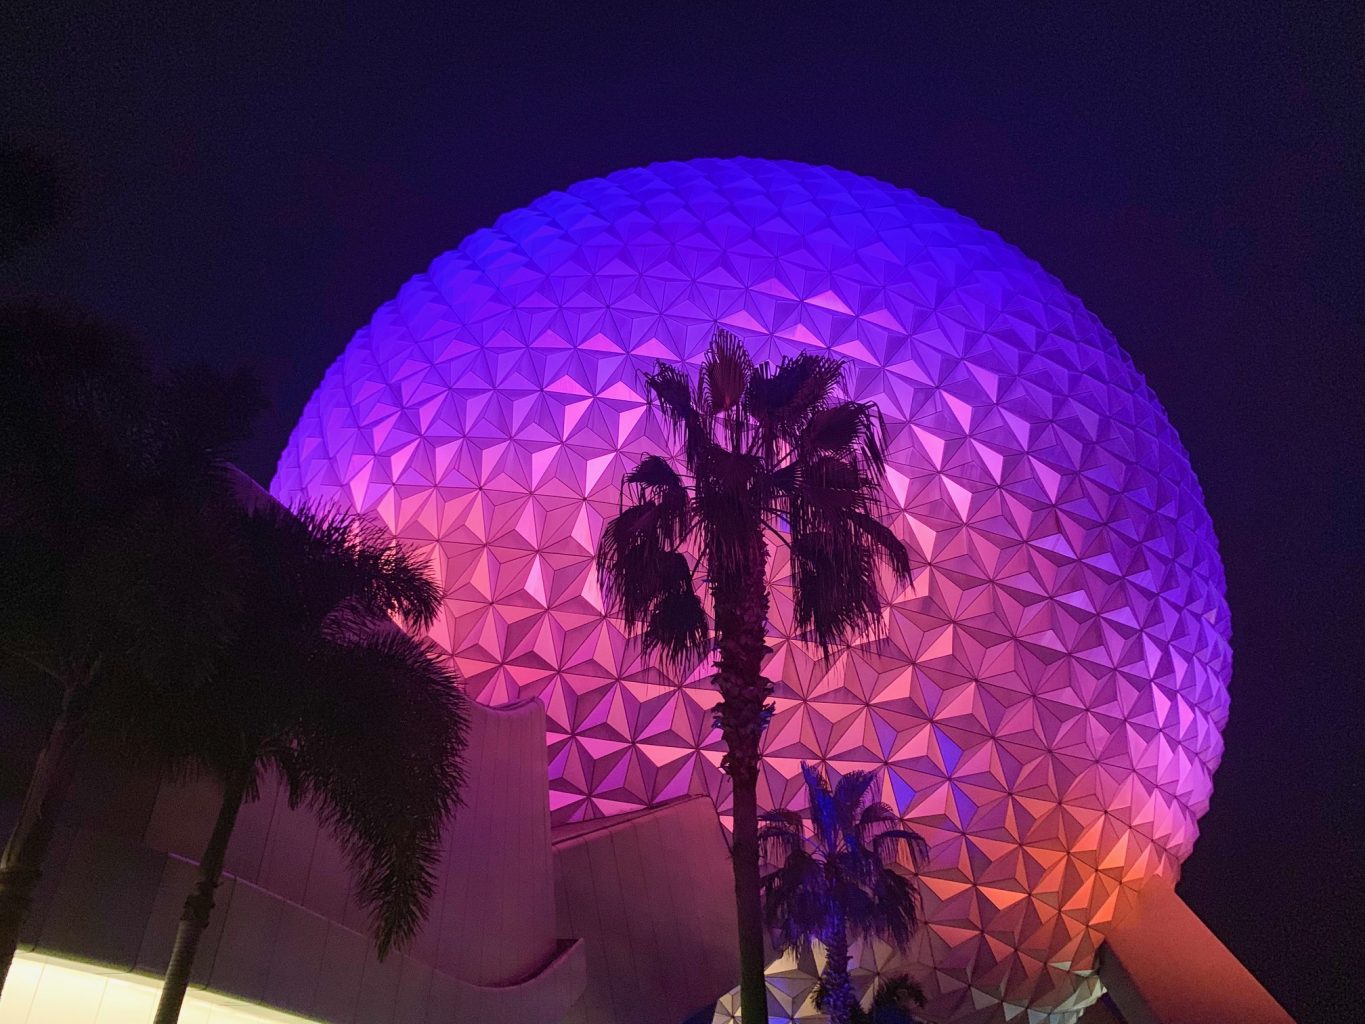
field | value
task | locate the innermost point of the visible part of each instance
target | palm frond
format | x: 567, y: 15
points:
x: 669, y: 390
x: 893, y: 912
x: 822, y: 486
x: 823, y: 811
x: 730, y: 493
x: 876, y: 816
x: 849, y: 431
x: 677, y: 626
x: 382, y: 575
x: 796, y: 901
x: 835, y: 586
x: 120, y: 563
x: 889, y: 842
x: 384, y: 784
x: 200, y: 418
x: 888, y: 546
x: 630, y: 559
x: 644, y: 578
x: 656, y: 482
x: 849, y: 793
x: 837, y: 543
x: 782, y: 402
x: 780, y: 834
x: 725, y: 373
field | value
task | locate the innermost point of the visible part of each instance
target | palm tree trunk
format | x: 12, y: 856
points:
x: 21, y: 863
x: 753, y: 989
x: 839, y: 994
x: 194, y: 919
x: 741, y: 602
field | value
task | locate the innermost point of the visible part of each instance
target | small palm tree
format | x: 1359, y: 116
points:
x: 112, y: 569
x: 765, y: 454
x: 896, y: 1001
x: 363, y: 722
x: 837, y: 883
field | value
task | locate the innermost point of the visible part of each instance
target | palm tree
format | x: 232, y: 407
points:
x: 765, y: 453
x: 109, y: 574
x: 895, y: 1002
x: 363, y: 723
x: 838, y: 883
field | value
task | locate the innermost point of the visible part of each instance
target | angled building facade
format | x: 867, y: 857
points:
x: 510, y: 939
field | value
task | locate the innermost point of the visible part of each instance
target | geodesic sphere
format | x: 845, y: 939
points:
x: 1044, y: 704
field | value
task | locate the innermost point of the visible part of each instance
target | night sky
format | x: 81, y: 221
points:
x: 245, y: 185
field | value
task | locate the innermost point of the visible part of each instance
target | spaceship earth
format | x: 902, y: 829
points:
x: 1044, y: 701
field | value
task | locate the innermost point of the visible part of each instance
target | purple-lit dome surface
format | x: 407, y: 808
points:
x: 1045, y: 704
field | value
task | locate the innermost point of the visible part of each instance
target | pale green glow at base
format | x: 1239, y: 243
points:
x: 48, y: 990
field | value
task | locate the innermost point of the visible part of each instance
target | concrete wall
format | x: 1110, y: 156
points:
x: 1162, y: 965
x: 651, y: 894
x: 286, y: 931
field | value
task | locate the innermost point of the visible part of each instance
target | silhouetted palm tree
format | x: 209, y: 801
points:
x: 361, y: 721
x: 896, y: 1001
x: 113, y: 571
x: 765, y: 453
x: 837, y: 883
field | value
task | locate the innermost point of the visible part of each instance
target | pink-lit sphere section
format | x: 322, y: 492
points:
x: 1047, y: 699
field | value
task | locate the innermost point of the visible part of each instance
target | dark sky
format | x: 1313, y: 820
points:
x: 247, y: 184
